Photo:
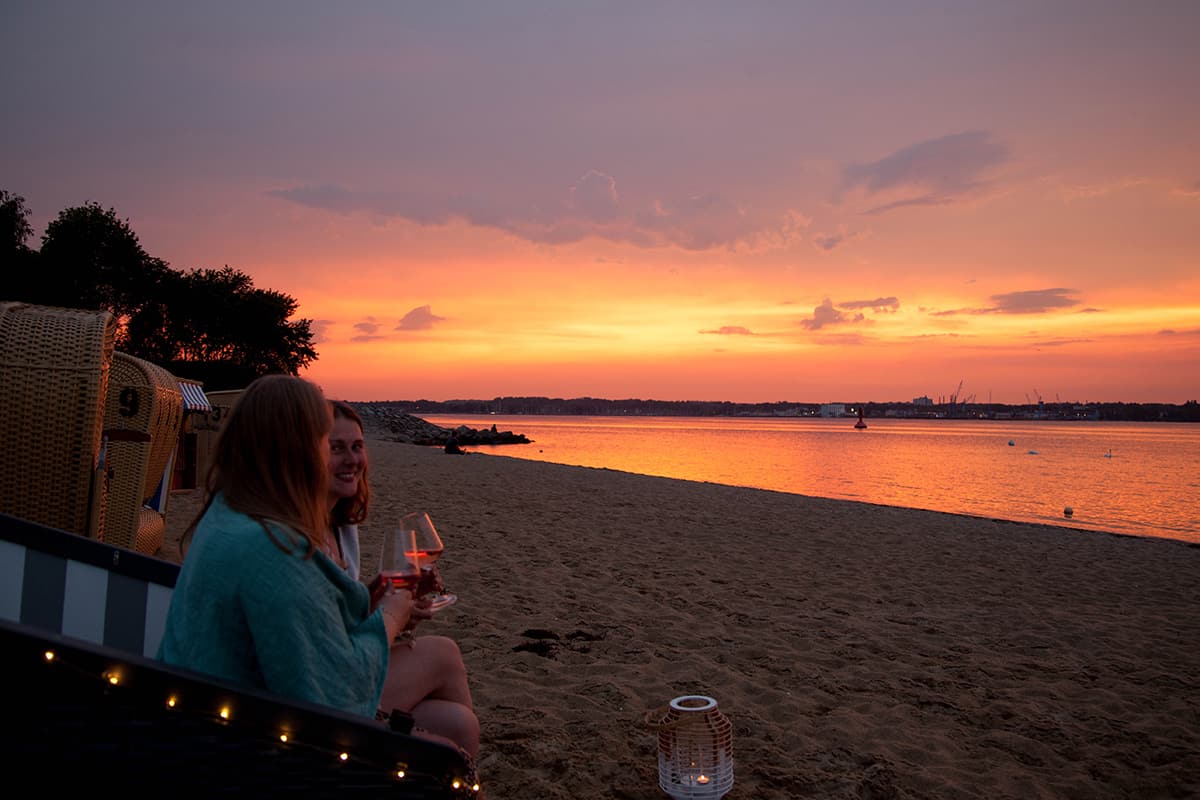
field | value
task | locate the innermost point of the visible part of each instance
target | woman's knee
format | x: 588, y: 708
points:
x: 444, y: 651
x: 453, y: 720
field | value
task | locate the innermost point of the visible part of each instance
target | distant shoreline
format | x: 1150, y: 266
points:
x: 544, y: 406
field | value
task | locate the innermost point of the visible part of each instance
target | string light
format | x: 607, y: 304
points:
x: 115, y: 676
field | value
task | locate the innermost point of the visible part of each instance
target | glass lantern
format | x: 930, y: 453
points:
x: 695, y: 749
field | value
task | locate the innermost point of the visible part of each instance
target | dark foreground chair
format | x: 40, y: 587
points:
x: 87, y: 709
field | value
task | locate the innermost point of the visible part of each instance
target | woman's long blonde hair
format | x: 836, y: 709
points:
x: 271, y: 461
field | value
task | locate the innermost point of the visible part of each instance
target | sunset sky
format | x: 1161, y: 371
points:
x: 747, y: 201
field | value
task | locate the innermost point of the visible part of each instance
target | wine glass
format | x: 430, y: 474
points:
x: 427, y: 548
x: 398, y: 564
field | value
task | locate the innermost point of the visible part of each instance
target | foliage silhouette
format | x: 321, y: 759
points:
x: 211, y: 325
x: 14, y: 221
x: 18, y: 263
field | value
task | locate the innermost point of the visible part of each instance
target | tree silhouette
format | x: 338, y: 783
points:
x: 215, y: 326
x: 96, y: 261
x: 17, y: 261
x: 14, y: 221
x: 212, y: 325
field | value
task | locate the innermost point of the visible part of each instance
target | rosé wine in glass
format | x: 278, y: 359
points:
x: 426, y: 549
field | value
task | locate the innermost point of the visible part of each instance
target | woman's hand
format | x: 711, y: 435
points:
x: 378, y: 587
x: 397, y: 608
x: 420, y: 610
x: 401, y: 611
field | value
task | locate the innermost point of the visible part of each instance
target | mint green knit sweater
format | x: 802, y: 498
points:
x: 247, y: 612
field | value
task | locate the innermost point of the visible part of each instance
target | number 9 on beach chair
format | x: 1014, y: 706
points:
x: 54, y: 371
x: 143, y: 413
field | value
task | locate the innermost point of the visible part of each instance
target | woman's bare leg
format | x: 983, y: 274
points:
x: 429, y: 681
x: 452, y: 720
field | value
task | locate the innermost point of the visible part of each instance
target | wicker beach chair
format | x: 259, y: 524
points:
x: 54, y: 369
x: 143, y: 413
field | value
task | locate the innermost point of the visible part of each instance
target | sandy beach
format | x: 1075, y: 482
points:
x: 860, y: 651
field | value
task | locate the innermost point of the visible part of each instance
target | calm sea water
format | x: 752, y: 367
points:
x: 1125, y: 477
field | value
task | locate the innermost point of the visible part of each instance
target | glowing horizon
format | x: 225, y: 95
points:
x: 805, y: 204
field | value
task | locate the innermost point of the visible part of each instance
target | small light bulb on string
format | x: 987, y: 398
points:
x: 344, y: 756
x: 283, y: 737
x: 171, y: 701
x: 49, y: 655
x: 224, y: 712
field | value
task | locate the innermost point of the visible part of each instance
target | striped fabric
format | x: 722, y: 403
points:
x: 194, y: 398
x: 83, y: 589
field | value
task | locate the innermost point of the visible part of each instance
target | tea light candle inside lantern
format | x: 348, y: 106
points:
x: 695, y: 750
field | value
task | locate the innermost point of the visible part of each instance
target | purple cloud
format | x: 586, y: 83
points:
x: 933, y: 172
x: 731, y: 330
x: 591, y: 207
x: 1061, y: 342
x: 841, y: 314
x: 594, y: 196
x: 421, y: 318
x: 827, y: 241
x: 880, y: 305
x: 320, y: 330
x: 368, y: 331
x: 826, y: 314
x: 1036, y: 301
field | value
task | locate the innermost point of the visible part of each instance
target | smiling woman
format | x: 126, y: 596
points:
x: 349, y: 491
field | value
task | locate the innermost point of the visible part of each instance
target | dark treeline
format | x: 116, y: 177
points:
x: 591, y: 406
x: 210, y: 325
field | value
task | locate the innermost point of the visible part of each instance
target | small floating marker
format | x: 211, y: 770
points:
x: 1033, y: 452
x: 1011, y: 443
x: 1068, y: 512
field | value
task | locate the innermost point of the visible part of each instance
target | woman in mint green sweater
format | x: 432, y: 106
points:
x: 259, y: 600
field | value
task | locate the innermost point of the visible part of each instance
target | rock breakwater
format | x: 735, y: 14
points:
x: 380, y: 419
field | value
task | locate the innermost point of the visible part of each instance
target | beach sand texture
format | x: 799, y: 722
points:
x: 860, y: 651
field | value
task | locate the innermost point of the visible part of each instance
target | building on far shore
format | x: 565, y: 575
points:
x: 833, y: 409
